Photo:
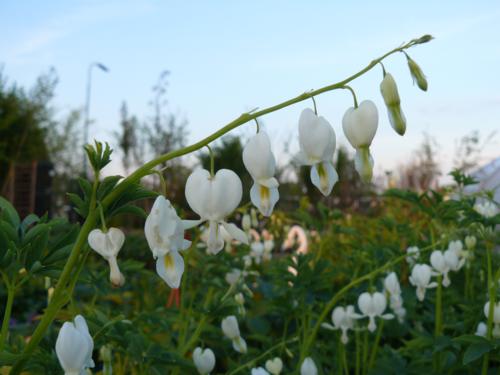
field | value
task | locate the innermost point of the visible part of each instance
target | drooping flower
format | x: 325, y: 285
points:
x: 392, y: 287
x: 482, y: 329
x: 274, y: 366
x: 390, y: 93
x: 317, y: 145
x: 231, y: 330
x: 74, y: 347
x: 343, y: 319
x: 496, y: 317
x: 453, y: 260
x: 164, y: 232
x: 108, y: 244
x: 413, y: 255
x: 259, y: 371
x: 421, y: 278
x: 246, y: 223
x: 487, y: 209
x: 470, y: 242
x: 260, y: 163
x: 214, y: 198
x: 360, y: 125
x: 204, y: 360
x: 233, y: 276
x: 308, y: 367
x: 373, y: 305
x: 441, y: 265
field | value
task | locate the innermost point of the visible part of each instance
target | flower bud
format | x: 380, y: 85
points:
x: 389, y: 91
x: 470, y: 242
x: 417, y: 74
x: 246, y: 223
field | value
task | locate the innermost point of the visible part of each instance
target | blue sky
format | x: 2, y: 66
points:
x: 226, y: 57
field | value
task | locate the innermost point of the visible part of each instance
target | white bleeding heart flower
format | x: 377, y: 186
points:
x: 257, y: 251
x: 441, y: 266
x: 453, y: 261
x: 204, y: 360
x: 496, y: 317
x: 413, y: 255
x: 487, y: 209
x: 231, y: 330
x: 308, y: 367
x: 456, y: 246
x: 372, y: 305
x: 74, y: 347
x: 343, y: 319
x: 214, y: 198
x: 390, y: 93
x: 482, y: 329
x: 233, y: 276
x: 259, y: 371
x: 274, y: 366
x: 421, y: 278
x: 317, y: 145
x: 260, y: 163
x: 108, y: 245
x: 470, y: 242
x: 392, y: 287
x: 391, y: 284
x: 164, y: 231
x: 360, y: 125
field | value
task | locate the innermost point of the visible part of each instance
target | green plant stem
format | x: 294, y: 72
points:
x: 365, y: 352
x: 263, y: 355
x: 11, y: 291
x: 335, y: 299
x: 144, y: 170
x: 373, y: 354
x: 491, y: 310
x: 59, y: 291
x: 438, y: 320
x: 358, y: 352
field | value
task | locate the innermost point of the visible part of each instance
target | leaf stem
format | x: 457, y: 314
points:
x: 11, y: 291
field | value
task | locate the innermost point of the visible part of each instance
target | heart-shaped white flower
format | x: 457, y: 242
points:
x: 274, y: 366
x: 317, y: 145
x: 204, y: 360
x: 260, y: 163
x: 360, y: 125
x: 213, y: 198
x: 373, y: 305
x: 421, y: 278
x: 108, y: 245
x: 308, y: 367
x: 74, y: 346
x: 231, y: 330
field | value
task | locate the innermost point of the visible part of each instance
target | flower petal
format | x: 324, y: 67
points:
x: 264, y: 198
x: 258, y: 157
x: 324, y: 177
x: 170, y: 268
x: 235, y: 232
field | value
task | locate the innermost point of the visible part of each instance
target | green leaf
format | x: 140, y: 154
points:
x: 476, y: 351
x: 106, y: 186
x: 85, y: 186
x: 130, y: 209
x: 9, y: 213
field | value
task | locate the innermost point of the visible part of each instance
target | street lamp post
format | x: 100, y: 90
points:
x: 87, y: 109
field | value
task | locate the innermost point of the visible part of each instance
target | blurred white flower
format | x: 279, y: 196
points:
x: 456, y: 246
x: 259, y: 371
x: 214, y: 198
x: 389, y: 91
x: 482, y: 329
x: 454, y: 262
x: 470, y: 242
x: 257, y: 251
x: 441, y: 265
x: 274, y: 366
x: 233, y: 276
x: 413, y: 255
x: 108, y: 245
x: 496, y: 317
x: 343, y: 319
x: 392, y: 287
x: 204, y: 360
x: 260, y: 163
x: 317, y: 145
x: 308, y: 367
x: 487, y: 209
x: 246, y: 223
x: 373, y: 305
x: 360, y: 125
x: 74, y: 347
x: 421, y: 278
x: 231, y: 330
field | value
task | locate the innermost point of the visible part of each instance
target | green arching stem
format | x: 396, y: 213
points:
x: 346, y: 87
x: 11, y: 291
x: 144, y: 170
x: 383, y: 68
x: 336, y: 298
x: 491, y: 310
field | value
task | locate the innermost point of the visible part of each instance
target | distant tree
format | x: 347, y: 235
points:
x: 468, y: 150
